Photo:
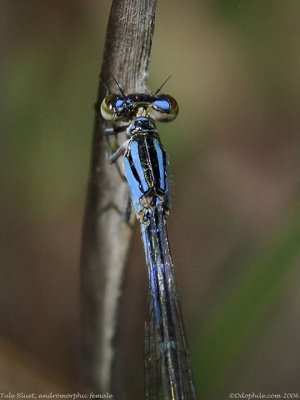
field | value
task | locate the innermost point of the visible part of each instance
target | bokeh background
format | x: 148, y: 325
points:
x: 235, y: 218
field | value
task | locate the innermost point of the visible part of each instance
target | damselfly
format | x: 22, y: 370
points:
x: 168, y: 372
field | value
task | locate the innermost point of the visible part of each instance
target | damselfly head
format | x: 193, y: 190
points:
x: 161, y: 107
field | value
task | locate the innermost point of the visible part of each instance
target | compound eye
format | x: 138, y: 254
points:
x: 115, y: 107
x: 164, y: 108
x: 108, y: 107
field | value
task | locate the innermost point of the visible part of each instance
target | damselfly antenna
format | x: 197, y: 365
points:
x: 119, y: 87
x: 159, y: 89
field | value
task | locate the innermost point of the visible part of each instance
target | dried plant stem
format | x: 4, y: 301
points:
x: 106, y: 238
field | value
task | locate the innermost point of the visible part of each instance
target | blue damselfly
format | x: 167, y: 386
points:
x: 168, y: 372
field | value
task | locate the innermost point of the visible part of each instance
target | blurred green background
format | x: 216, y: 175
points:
x: 235, y: 217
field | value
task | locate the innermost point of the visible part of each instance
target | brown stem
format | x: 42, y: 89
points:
x: 106, y: 238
